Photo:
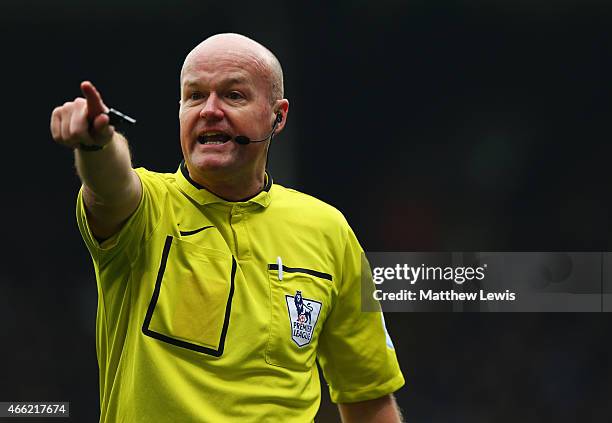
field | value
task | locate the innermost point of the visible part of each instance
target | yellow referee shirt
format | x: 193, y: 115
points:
x: 215, y: 311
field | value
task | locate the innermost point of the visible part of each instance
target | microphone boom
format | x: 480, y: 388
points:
x: 244, y: 140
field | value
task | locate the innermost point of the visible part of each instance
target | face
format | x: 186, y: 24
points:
x: 224, y: 93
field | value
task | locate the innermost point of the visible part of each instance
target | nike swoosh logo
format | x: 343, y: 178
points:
x: 195, y: 231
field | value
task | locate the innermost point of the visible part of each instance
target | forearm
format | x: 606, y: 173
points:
x: 111, y: 188
x: 380, y: 410
x: 106, y: 174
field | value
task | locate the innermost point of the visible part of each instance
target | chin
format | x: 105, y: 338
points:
x: 209, y: 163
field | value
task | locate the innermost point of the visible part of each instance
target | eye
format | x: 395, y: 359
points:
x: 235, y: 95
x: 195, y: 95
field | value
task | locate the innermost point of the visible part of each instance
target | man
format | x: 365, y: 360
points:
x: 217, y: 288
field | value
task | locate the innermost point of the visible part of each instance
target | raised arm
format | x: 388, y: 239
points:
x: 111, y: 188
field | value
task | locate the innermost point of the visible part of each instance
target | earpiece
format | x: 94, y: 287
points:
x: 279, y: 117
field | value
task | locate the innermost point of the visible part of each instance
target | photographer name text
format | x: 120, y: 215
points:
x: 449, y: 295
x: 414, y: 274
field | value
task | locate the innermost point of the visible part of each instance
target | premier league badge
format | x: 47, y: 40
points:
x: 303, y: 316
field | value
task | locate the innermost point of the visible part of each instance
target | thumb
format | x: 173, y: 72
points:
x: 101, y: 131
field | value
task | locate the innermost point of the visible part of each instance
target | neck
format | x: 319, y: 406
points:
x: 230, y: 188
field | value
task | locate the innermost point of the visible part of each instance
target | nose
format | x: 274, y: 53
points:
x: 211, y: 110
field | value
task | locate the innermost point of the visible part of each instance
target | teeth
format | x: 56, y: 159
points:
x: 213, y: 137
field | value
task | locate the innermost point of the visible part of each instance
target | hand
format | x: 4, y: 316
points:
x: 82, y: 121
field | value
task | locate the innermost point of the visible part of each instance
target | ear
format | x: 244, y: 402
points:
x: 281, y: 110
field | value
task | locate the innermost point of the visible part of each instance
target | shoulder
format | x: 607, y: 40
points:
x: 160, y: 191
x: 156, y: 183
x: 306, y: 208
x: 156, y: 177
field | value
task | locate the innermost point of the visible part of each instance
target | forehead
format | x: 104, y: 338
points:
x: 224, y: 66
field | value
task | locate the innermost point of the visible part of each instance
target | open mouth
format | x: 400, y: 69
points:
x: 214, y: 138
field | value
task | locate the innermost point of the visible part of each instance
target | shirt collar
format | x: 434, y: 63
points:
x: 202, y: 196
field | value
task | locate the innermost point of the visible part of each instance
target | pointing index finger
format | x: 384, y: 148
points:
x: 95, y: 105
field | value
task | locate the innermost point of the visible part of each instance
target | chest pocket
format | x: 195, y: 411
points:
x: 300, y: 303
x: 192, y: 299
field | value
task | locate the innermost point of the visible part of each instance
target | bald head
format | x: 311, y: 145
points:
x: 263, y: 60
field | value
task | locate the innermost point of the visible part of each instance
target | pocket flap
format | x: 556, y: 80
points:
x: 191, y: 302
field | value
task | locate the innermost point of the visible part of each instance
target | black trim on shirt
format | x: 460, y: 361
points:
x: 302, y: 270
x: 195, y: 231
x: 185, y: 173
x: 268, y: 184
x: 178, y: 342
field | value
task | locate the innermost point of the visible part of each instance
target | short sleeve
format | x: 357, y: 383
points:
x: 138, y: 226
x: 355, y: 351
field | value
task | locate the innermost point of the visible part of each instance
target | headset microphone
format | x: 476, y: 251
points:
x: 243, y: 140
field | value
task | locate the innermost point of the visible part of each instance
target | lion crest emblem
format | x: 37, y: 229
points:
x: 303, y: 317
x: 304, y: 310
